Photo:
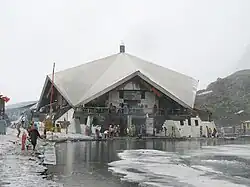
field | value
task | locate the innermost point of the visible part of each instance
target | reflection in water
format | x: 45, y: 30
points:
x: 69, y: 158
x: 86, y: 163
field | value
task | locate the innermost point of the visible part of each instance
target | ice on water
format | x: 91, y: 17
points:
x: 195, y: 168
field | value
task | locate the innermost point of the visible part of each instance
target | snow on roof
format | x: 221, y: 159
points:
x: 239, y: 112
x: 83, y: 83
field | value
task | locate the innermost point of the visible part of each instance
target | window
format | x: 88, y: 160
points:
x: 196, y: 123
x: 181, y: 122
x: 121, y: 94
x: 143, y: 95
x: 189, y: 121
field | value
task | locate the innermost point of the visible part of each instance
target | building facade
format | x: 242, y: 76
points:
x: 118, y: 86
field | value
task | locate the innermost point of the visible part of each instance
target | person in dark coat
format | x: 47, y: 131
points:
x: 34, y: 134
x: 18, y: 127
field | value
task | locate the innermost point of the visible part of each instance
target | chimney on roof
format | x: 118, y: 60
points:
x: 122, y: 48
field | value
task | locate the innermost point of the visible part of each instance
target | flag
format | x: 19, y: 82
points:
x: 6, y: 99
x: 156, y: 92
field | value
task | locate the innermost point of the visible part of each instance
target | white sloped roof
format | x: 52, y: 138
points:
x: 83, y: 83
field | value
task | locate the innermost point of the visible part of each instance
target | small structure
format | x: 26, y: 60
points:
x: 4, y: 121
x: 245, y: 127
x: 120, y: 89
x: 192, y: 127
x: 242, y: 129
x: 2, y: 109
x: 3, y: 125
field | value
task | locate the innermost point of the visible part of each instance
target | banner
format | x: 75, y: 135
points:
x: 5, y: 99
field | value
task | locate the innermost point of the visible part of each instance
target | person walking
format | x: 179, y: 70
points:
x: 165, y: 130
x: 18, y: 127
x: 34, y: 134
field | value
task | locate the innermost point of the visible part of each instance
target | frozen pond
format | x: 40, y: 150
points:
x: 153, y: 163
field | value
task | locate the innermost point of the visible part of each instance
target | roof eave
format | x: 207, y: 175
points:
x: 60, y: 91
x: 57, y: 87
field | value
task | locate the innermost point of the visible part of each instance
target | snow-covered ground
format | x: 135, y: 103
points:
x: 18, y: 168
x: 21, y: 168
x: 22, y: 171
x: 8, y: 141
x: 61, y: 136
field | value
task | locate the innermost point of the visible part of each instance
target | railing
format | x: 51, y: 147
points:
x: 93, y: 110
x: 137, y: 111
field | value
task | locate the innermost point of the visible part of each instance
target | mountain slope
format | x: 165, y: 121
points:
x: 228, y: 98
x: 20, y: 105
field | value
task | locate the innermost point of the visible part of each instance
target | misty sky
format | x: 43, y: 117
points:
x: 201, y: 38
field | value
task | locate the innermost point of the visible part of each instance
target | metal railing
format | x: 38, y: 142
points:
x: 93, y: 110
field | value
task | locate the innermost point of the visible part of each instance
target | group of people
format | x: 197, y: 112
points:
x: 32, y: 132
x: 211, y: 133
x: 112, y: 131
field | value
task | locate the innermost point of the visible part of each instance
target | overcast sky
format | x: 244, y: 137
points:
x: 201, y: 38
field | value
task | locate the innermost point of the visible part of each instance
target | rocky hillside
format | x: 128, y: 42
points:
x: 227, y: 98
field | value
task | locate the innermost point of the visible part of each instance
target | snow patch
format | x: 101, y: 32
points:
x: 239, y: 112
x: 8, y: 141
x: 60, y: 136
x: 162, y: 169
x: 21, y: 171
x: 205, y: 93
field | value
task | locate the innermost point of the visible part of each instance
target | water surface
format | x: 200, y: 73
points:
x: 131, y: 163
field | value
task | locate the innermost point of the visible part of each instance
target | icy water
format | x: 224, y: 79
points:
x: 159, y: 163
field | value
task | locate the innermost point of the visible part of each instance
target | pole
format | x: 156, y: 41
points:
x: 52, y: 89
x: 51, y: 100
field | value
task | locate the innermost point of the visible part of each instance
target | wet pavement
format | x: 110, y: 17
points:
x: 131, y: 163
